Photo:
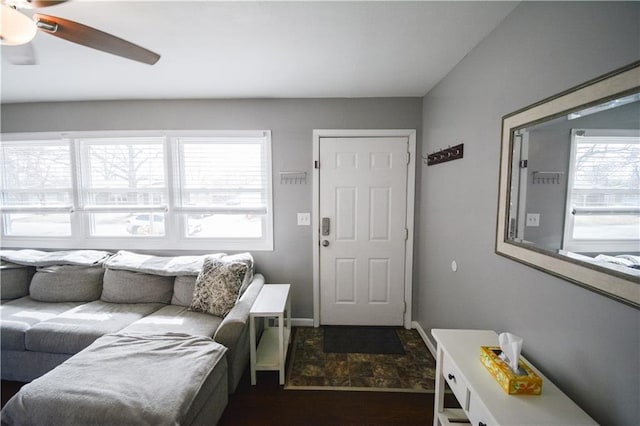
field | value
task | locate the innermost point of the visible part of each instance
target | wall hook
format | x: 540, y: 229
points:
x: 444, y: 155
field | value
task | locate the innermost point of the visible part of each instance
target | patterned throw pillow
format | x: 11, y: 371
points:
x: 217, y: 286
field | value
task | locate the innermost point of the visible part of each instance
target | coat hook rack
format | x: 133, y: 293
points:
x: 545, y: 178
x: 293, y: 178
x: 444, y: 155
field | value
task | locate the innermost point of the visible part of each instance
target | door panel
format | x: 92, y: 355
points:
x: 379, y: 282
x: 363, y: 193
x: 379, y: 214
x: 346, y: 209
x: 345, y: 280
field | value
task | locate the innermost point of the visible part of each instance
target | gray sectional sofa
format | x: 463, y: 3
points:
x: 51, y: 312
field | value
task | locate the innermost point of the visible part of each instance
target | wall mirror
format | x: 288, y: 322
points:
x: 569, y: 200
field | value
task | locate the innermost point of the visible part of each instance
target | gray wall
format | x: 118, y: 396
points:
x: 291, y: 121
x: 586, y: 343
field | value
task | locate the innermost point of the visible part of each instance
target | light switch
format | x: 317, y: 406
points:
x: 533, y: 219
x: 304, y: 219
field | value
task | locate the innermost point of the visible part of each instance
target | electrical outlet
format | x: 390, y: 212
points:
x: 304, y: 219
x: 533, y: 219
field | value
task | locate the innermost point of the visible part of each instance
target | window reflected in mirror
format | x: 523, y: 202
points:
x: 575, y: 185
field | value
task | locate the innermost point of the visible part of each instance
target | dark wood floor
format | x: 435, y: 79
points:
x: 268, y: 403
x: 8, y: 389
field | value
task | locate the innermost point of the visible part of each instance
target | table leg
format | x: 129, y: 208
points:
x: 281, y: 346
x: 438, y: 400
x: 252, y: 348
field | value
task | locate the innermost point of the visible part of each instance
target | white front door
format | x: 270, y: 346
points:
x: 363, y: 211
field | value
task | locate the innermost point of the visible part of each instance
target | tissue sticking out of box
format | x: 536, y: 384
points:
x: 511, y: 346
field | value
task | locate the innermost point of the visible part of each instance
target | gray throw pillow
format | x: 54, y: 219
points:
x: 66, y: 283
x: 218, y: 286
x: 135, y: 287
x: 14, y: 280
x: 183, y: 288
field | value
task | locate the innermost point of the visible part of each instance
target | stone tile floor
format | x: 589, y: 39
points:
x: 311, y: 368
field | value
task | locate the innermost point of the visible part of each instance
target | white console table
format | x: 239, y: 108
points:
x: 271, y: 353
x: 482, y: 400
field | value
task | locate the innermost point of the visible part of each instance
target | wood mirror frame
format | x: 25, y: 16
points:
x: 614, y: 284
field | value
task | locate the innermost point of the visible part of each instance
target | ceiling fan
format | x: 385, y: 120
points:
x: 18, y: 29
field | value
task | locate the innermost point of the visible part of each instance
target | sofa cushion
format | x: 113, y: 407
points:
x: 17, y: 316
x: 121, y: 286
x: 175, y: 319
x: 26, y: 366
x: 171, y: 266
x: 49, y: 258
x: 127, y: 380
x: 183, y: 287
x: 75, y: 329
x: 15, y: 280
x: 218, y: 286
x: 67, y: 283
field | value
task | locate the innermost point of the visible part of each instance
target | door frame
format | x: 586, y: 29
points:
x: 410, y: 134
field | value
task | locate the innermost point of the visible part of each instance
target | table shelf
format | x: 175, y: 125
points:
x: 267, y: 357
x: 453, y: 417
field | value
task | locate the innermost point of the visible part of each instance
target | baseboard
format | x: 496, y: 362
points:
x: 425, y: 337
x: 302, y: 322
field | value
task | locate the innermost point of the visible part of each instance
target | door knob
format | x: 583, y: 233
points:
x: 325, y: 243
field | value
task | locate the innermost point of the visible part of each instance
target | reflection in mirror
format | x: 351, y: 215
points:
x: 575, y: 185
x: 569, y: 199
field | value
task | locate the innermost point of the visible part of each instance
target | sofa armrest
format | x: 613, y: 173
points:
x: 233, y: 331
x: 238, y: 317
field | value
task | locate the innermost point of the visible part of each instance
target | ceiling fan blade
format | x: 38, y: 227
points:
x: 23, y: 54
x: 94, y: 38
x: 45, y: 3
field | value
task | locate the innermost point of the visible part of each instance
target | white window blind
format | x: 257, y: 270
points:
x: 604, y: 191
x: 224, y: 186
x: 183, y: 190
x: 124, y: 182
x: 220, y: 175
x: 37, y: 191
x: 123, y: 172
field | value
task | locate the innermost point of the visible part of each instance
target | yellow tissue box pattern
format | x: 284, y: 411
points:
x: 529, y: 384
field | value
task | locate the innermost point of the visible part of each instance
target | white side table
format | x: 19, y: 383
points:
x: 271, y: 353
x: 482, y: 400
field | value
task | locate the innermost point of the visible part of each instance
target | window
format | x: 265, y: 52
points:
x: 224, y: 191
x: 37, y: 193
x: 183, y: 190
x: 121, y: 179
x: 603, y: 199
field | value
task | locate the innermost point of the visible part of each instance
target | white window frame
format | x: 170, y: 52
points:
x: 591, y: 245
x: 175, y: 238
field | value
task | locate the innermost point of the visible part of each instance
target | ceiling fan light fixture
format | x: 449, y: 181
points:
x: 15, y: 28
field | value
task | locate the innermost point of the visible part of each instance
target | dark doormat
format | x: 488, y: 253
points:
x: 364, y: 340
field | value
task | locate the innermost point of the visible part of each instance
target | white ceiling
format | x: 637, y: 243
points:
x: 255, y: 49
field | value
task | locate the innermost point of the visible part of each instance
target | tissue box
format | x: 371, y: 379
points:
x: 529, y: 384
